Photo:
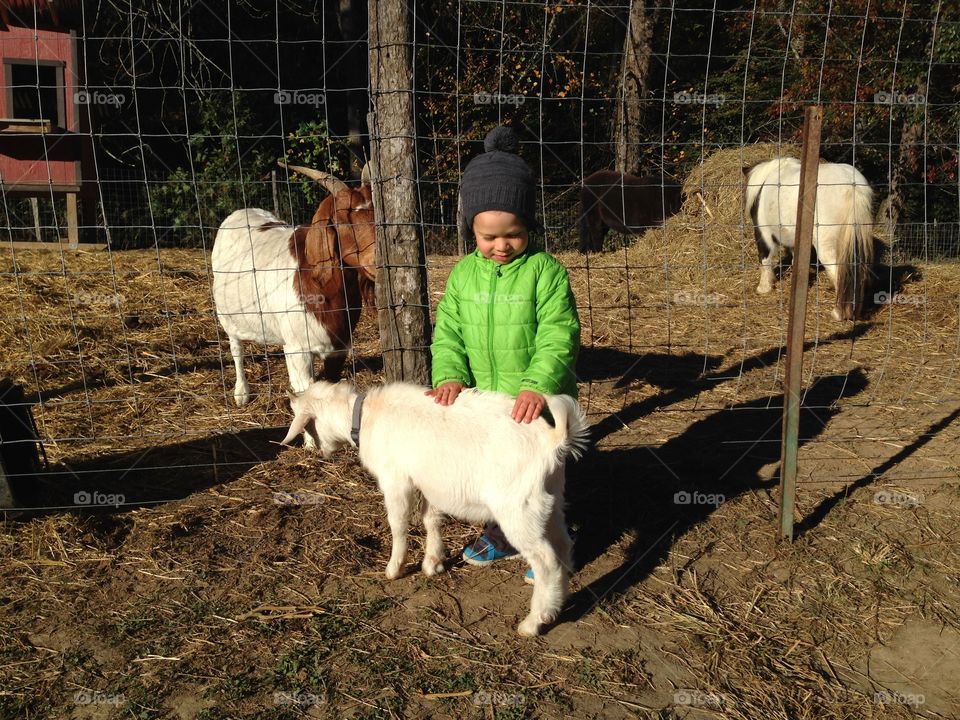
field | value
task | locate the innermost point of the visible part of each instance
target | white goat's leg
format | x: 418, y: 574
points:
x: 241, y: 391
x: 547, y: 606
x: 397, y: 494
x: 435, y: 552
x: 300, y: 370
x: 550, y: 575
x: 549, y: 588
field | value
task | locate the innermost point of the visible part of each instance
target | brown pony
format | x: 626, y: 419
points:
x: 625, y: 203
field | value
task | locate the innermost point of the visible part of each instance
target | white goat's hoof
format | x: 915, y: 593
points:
x: 241, y: 396
x: 309, y: 442
x: 432, y: 566
x: 836, y: 314
x: 393, y: 570
x: 529, y: 627
x: 764, y: 289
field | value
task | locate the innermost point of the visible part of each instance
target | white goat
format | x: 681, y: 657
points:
x: 470, y: 460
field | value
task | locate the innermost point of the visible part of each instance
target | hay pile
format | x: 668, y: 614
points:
x: 707, y: 239
x: 719, y: 179
x: 710, y: 237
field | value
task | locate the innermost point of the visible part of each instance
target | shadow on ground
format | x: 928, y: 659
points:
x: 662, y: 371
x: 656, y: 494
x: 147, y: 476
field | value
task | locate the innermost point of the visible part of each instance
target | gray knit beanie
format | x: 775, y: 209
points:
x: 499, y: 179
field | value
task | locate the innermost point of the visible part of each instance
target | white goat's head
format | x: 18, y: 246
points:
x: 324, y: 410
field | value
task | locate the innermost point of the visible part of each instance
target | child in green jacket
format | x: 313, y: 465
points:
x: 508, y: 320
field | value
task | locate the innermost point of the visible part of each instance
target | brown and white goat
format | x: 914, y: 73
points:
x: 299, y: 287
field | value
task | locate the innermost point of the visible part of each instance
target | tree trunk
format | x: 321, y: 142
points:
x: 461, y: 233
x: 403, y: 307
x: 888, y: 214
x: 628, y: 131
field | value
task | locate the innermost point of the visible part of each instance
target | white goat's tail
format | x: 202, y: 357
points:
x: 571, y: 432
x: 855, y: 254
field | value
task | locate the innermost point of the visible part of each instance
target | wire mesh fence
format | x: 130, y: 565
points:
x: 190, y: 110
x: 173, y: 159
x: 125, y: 207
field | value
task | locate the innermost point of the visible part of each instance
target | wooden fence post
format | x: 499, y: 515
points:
x: 809, y: 164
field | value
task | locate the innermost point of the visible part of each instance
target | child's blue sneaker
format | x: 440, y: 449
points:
x: 528, y: 576
x: 482, y: 552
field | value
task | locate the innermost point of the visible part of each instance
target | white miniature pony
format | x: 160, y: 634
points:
x: 842, y: 230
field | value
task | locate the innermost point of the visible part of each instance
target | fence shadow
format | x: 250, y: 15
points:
x: 151, y: 475
x: 146, y: 476
x: 827, y: 504
x: 93, y: 381
x: 663, y: 371
x: 658, y: 494
x: 677, y: 392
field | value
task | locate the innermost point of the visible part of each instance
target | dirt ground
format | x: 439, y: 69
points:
x: 209, y: 594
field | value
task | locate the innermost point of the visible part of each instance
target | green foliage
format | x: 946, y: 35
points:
x: 311, y: 145
x: 230, y: 168
x: 227, y: 163
x: 241, y: 685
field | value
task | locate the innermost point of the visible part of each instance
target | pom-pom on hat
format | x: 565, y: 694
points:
x: 499, y: 179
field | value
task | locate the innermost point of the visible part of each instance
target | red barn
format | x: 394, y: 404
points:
x: 45, y: 140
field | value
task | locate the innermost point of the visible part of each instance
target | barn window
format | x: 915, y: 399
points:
x: 35, y: 91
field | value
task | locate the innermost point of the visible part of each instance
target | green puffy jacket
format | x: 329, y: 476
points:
x: 508, y: 327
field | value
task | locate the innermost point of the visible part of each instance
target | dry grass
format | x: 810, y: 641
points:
x: 211, y: 596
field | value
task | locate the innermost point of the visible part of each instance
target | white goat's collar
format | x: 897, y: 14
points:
x: 357, y: 417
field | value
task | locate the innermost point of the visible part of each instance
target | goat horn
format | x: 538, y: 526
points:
x: 365, y: 174
x: 331, y: 183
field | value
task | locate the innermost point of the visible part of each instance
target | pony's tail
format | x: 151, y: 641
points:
x: 855, y: 255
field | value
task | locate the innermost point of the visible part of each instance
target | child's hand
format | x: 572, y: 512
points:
x: 528, y: 406
x: 446, y: 393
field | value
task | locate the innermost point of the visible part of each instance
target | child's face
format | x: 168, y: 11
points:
x: 501, y: 236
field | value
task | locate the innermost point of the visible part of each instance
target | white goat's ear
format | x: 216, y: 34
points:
x: 300, y: 419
